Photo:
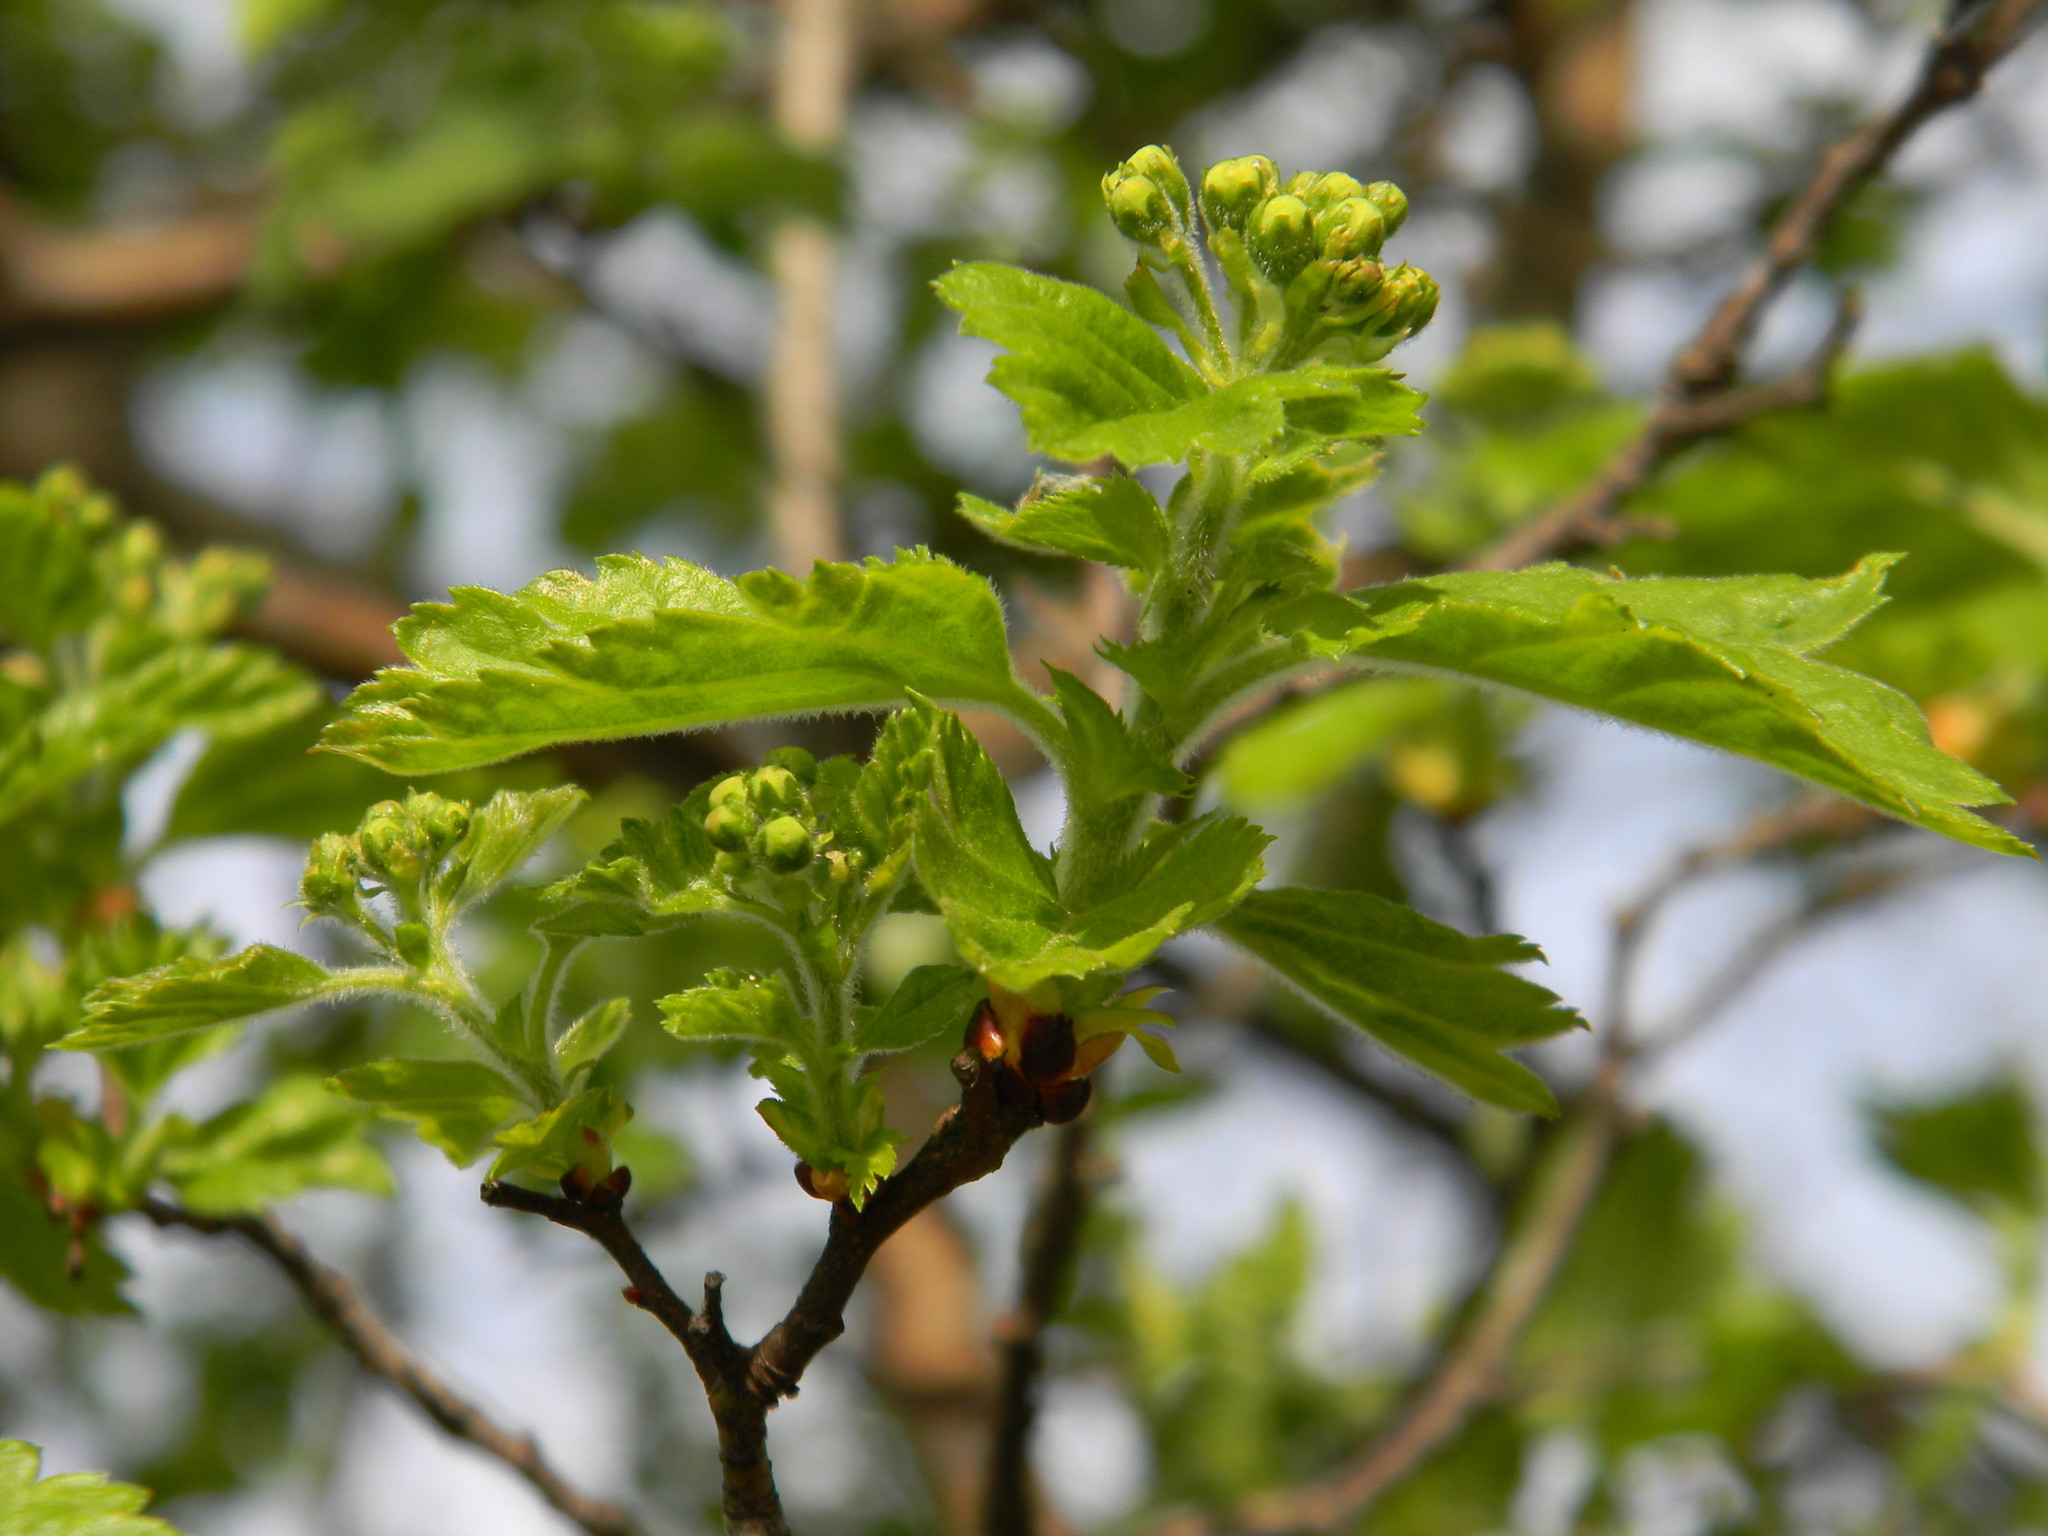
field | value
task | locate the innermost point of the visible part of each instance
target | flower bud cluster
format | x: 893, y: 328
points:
x: 399, y: 848
x: 763, y: 822
x: 1302, y: 256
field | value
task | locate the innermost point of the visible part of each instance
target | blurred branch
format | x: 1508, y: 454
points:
x: 1473, y: 1368
x: 969, y: 1142
x: 54, y: 277
x: 344, y: 1314
x: 1052, y: 1244
x: 814, y: 65
x: 1699, y: 397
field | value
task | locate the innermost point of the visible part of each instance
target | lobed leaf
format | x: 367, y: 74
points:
x: 196, y: 993
x: 649, y: 647
x: 455, y: 1106
x: 1719, y: 660
x: 75, y: 1504
x: 1428, y: 993
x: 576, y: 1133
x: 731, y: 1006
x: 1113, y: 520
x: 292, y: 1138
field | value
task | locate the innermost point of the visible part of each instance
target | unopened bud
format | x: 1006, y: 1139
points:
x: 828, y: 1184
x: 1047, y: 1052
x: 1332, y: 188
x: 1414, y: 296
x: 786, y: 845
x: 1353, y: 227
x: 729, y: 827
x: 1392, y: 201
x: 1231, y: 189
x: 732, y: 791
x: 732, y: 864
x: 1059, y: 1103
x: 776, y: 789
x: 1282, y: 237
x: 1156, y: 163
x: 386, y: 841
x: 984, y: 1034
x: 329, y: 881
x: 444, y: 821
x: 1138, y: 208
x: 1357, y: 284
x: 797, y: 761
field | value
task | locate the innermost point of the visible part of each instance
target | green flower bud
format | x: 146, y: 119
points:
x: 1330, y: 189
x: 329, y: 883
x: 444, y: 821
x: 1301, y: 183
x: 1415, y: 296
x: 1232, y: 188
x: 1138, y: 208
x: 776, y: 789
x: 1157, y: 164
x: 415, y: 944
x: 797, y: 761
x: 732, y: 791
x: 1281, y: 237
x: 732, y: 865
x: 786, y: 845
x: 1353, y: 227
x: 729, y: 827
x: 1393, y: 203
x: 386, y: 841
x: 1357, y: 283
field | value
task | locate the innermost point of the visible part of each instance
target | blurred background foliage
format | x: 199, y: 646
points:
x: 406, y: 293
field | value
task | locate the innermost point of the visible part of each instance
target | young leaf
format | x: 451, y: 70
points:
x: 998, y: 895
x: 730, y: 1006
x: 1091, y: 378
x: 76, y: 1504
x: 576, y: 1134
x: 925, y: 1004
x: 1108, y: 763
x: 1113, y: 520
x: 294, y: 1137
x: 504, y: 832
x: 1424, y: 991
x: 198, y: 994
x: 585, y: 1042
x: 646, y: 647
x: 1717, y: 660
x: 456, y: 1106
x: 651, y: 877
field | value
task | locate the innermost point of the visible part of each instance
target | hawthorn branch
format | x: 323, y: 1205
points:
x: 1700, y: 397
x: 743, y: 1383
x: 344, y: 1313
x: 1052, y: 1243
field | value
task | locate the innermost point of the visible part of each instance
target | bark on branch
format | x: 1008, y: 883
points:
x: 379, y: 1351
x: 1700, y: 396
x: 743, y: 1383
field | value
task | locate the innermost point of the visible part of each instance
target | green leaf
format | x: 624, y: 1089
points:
x: 76, y: 1504
x: 651, y: 877
x: 646, y: 648
x: 504, y: 832
x: 577, y: 1133
x: 1107, y: 762
x: 35, y: 1256
x: 199, y: 994
x: 1113, y: 520
x: 1295, y: 754
x: 586, y: 1041
x: 1981, y: 1147
x: 730, y: 1006
x: 274, y: 782
x: 456, y: 1106
x: 1716, y: 660
x: 224, y: 690
x: 293, y: 1138
x: 1426, y: 992
x: 1091, y: 378
x: 998, y: 894
x: 925, y: 1004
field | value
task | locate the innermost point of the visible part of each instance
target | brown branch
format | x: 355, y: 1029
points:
x: 52, y: 277
x: 1699, y: 397
x: 1052, y: 1243
x: 743, y: 1384
x: 344, y: 1314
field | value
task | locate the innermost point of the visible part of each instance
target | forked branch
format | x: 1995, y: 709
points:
x: 1700, y: 396
x: 743, y: 1383
x: 379, y: 1351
